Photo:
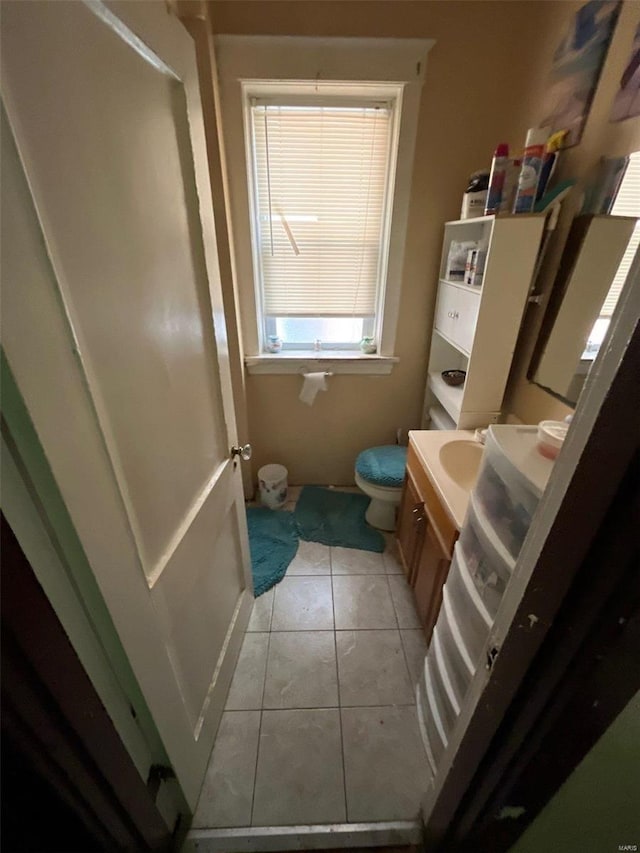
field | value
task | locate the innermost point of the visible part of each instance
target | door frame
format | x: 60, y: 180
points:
x: 196, y: 18
x: 55, y: 719
x: 606, y: 426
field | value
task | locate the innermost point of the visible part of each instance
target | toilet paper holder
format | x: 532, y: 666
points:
x: 312, y: 383
x: 304, y: 370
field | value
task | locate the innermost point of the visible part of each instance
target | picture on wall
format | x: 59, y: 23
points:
x: 627, y: 101
x: 577, y: 64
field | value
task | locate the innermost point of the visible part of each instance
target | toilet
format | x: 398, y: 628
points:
x: 380, y: 475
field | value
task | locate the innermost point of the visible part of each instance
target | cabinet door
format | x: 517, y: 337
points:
x: 432, y: 567
x: 410, y: 527
x: 465, y: 315
x: 445, y: 309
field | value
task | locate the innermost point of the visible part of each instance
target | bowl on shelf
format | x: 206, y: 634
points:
x: 454, y: 377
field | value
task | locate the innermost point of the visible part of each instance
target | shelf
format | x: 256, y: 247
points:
x: 472, y: 220
x: 492, y: 217
x: 450, y: 397
x: 440, y: 418
x: 479, y: 333
x: 463, y: 286
x: 451, y: 343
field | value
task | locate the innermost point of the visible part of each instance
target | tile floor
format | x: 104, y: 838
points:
x: 320, y: 723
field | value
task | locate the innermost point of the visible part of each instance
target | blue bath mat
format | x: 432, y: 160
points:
x: 336, y: 518
x: 273, y: 542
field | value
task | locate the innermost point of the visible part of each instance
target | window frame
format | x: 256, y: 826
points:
x: 365, y: 63
x: 633, y: 178
x: 297, y: 93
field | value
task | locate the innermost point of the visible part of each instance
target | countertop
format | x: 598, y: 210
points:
x: 427, y: 444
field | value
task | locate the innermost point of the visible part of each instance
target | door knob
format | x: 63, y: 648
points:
x: 243, y: 452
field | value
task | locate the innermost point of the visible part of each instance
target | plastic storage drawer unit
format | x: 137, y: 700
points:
x: 470, y: 613
x: 431, y: 727
x: 422, y: 711
x: 444, y: 671
x: 445, y: 708
x: 458, y: 664
x: 511, y: 481
x: 488, y: 561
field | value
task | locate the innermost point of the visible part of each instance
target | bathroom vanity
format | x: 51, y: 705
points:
x: 500, y: 506
x: 442, y: 466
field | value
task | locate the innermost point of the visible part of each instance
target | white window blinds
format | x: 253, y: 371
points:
x: 320, y: 187
x: 627, y: 203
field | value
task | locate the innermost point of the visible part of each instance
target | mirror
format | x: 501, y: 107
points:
x: 592, y: 273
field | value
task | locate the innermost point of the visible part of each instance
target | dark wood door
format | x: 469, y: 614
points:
x: 59, y: 743
x: 432, y: 567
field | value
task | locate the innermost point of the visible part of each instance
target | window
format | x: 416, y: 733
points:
x: 374, y: 81
x: 321, y: 171
x: 627, y: 203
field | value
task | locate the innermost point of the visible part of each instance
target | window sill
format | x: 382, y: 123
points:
x: 336, y: 361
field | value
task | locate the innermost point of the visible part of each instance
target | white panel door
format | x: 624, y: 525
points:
x: 113, y: 327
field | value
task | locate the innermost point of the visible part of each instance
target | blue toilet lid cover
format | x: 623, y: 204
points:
x: 383, y: 466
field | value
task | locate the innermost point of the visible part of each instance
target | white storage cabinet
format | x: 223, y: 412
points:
x: 476, y: 328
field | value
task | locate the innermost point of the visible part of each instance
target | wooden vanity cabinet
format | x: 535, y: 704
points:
x: 410, y: 528
x: 426, y: 536
x: 432, y: 568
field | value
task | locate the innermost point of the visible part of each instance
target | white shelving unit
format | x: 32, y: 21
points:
x: 476, y: 328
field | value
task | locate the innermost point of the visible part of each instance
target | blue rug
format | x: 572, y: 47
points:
x: 336, y: 518
x: 273, y: 542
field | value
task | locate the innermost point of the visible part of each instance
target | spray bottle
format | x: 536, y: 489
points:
x: 554, y: 144
x: 532, y: 160
x: 510, y: 185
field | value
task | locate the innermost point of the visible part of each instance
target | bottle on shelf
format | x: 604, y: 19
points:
x: 510, y: 185
x: 499, y: 168
x: 532, y: 160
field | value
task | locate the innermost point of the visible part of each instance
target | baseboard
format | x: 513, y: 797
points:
x: 267, y: 839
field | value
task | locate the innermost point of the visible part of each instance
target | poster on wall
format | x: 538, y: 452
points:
x: 577, y: 64
x: 627, y: 101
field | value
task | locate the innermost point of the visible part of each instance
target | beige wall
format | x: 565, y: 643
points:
x: 481, y: 75
x: 601, y: 138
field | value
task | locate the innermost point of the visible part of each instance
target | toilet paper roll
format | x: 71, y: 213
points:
x: 311, y: 384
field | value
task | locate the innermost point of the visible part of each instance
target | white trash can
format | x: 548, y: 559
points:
x: 272, y: 480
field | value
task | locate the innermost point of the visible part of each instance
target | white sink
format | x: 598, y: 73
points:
x: 461, y: 460
x: 451, y: 460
